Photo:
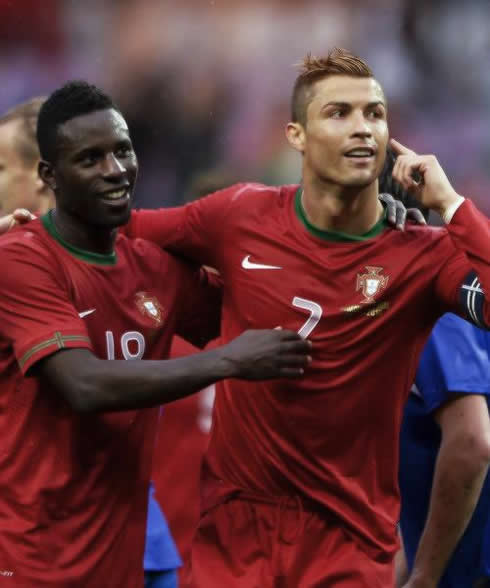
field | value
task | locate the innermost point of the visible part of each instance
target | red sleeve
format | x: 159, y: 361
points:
x: 196, y: 231
x: 37, y: 317
x: 200, y: 313
x: 463, y: 283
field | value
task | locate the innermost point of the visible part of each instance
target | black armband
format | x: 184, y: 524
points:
x: 472, y: 298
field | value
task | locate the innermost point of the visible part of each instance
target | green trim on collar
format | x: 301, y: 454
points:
x: 338, y: 236
x: 88, y: 256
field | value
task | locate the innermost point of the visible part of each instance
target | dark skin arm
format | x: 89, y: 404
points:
x: 90, y: 384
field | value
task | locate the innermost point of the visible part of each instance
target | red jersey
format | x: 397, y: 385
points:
x: 367, y: 303
x: 183, y: 435
x: 73, y: 487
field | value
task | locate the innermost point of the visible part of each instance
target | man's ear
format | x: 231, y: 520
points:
x: 46, y: 173
x: 295, y: 134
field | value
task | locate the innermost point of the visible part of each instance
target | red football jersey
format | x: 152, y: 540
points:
x: 367, y: 303
x: 73, y: 487
x: 183, y: 435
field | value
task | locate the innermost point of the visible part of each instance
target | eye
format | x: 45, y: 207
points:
x: 375, y: 113
x: 124, y: 151
x: 337, y: 113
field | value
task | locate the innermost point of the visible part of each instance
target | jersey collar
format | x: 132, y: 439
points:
x: 88, y: 256
x: 338, y: 236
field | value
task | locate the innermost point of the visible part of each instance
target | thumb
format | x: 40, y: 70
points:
x: 400, y: 149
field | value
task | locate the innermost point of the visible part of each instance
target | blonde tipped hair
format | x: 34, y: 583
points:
x: 312, y: 68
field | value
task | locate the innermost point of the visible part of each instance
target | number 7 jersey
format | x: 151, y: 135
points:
x: 367, y: 303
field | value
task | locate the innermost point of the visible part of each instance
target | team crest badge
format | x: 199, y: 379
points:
x: 149, y: 306
x: 371, y: 283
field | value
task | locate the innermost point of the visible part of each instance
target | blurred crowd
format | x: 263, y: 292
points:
x: 205, y: 84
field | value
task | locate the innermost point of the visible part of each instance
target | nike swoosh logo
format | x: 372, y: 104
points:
x: 86, y: 312
x: 247, y: 264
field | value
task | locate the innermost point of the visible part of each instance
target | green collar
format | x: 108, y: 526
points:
x: 338, y: 236
x: 88, y: 256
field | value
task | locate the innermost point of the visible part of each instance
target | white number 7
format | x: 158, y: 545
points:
x: 315, y: 311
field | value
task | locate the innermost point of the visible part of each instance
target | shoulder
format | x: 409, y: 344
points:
x: 26, y: 243
x: 150, y: 256
x: 246, y: 193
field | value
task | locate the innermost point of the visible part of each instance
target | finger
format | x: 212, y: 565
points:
x: 295, y: 360
x: 416, y: 215
x: 390, y: 207
x: 299, y: 346
x: 400, y: 149
x: 401, y: 216
x: 286, y: 372
x: 22, y: 215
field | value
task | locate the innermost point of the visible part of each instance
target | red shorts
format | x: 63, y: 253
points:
x: 250, y: 544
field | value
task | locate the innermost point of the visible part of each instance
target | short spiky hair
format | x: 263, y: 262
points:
x: 71, y: 100
x: 26, y: 114
x: 312, y: 69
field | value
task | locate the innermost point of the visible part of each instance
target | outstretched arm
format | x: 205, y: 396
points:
x: 90, y: 384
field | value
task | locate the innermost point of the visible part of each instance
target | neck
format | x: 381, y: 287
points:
x: 89, y: 238
x: 330, y: 207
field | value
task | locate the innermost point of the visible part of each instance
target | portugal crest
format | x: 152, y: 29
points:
x: 149, y: 306
x: 371, y: 283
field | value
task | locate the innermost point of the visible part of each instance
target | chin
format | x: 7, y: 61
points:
x: 114, y: 220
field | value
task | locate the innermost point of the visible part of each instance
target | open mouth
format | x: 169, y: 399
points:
x: 116, y: 197
x: 360, y: 153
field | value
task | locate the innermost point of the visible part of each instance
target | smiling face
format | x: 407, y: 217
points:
x: 95, y: 169
x: 345, y: 134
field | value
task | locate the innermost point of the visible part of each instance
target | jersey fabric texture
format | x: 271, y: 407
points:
x: 182, y: 439
x: 74, y: 487
x: 456, y: 360
x: 368, y: 304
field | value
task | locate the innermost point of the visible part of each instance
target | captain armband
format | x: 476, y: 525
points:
x: 472, y: 298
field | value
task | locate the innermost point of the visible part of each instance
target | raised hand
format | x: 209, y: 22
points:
x: 433, y: 189
x: 266, y: 354
x: 19, y: 216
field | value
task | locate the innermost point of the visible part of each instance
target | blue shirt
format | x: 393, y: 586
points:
x: 455, y: 360
x: 160, y: 550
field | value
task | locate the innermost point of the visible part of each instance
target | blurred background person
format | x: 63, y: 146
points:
x: 20, y: 185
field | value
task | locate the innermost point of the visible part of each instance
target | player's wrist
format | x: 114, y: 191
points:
x: 449, y: 207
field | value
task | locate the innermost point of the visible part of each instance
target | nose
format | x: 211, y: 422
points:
x: 112, y: 166
x: 361, y: 126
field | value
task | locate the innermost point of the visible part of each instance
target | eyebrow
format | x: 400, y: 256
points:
x: 348, y: 104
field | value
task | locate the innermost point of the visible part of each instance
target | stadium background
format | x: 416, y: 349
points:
x: 205, y: 83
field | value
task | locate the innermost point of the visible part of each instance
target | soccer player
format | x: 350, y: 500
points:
x: 76, y: 449
x: 20, y: 185
x: 300, y: 481
x: 444, y: 457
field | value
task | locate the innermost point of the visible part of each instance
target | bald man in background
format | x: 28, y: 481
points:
x: 20, y: 185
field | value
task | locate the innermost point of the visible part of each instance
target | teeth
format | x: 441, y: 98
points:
x: 360, y: 153
x: 115, y: 195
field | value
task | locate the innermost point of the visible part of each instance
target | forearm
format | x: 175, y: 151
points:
x: 106, y: 386
x: 458, y: 480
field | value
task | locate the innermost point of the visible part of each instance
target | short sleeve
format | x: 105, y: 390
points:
x: 200, y: 309
x: 37, y: 317
x: 455, y: 360
x: 196, y: 231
